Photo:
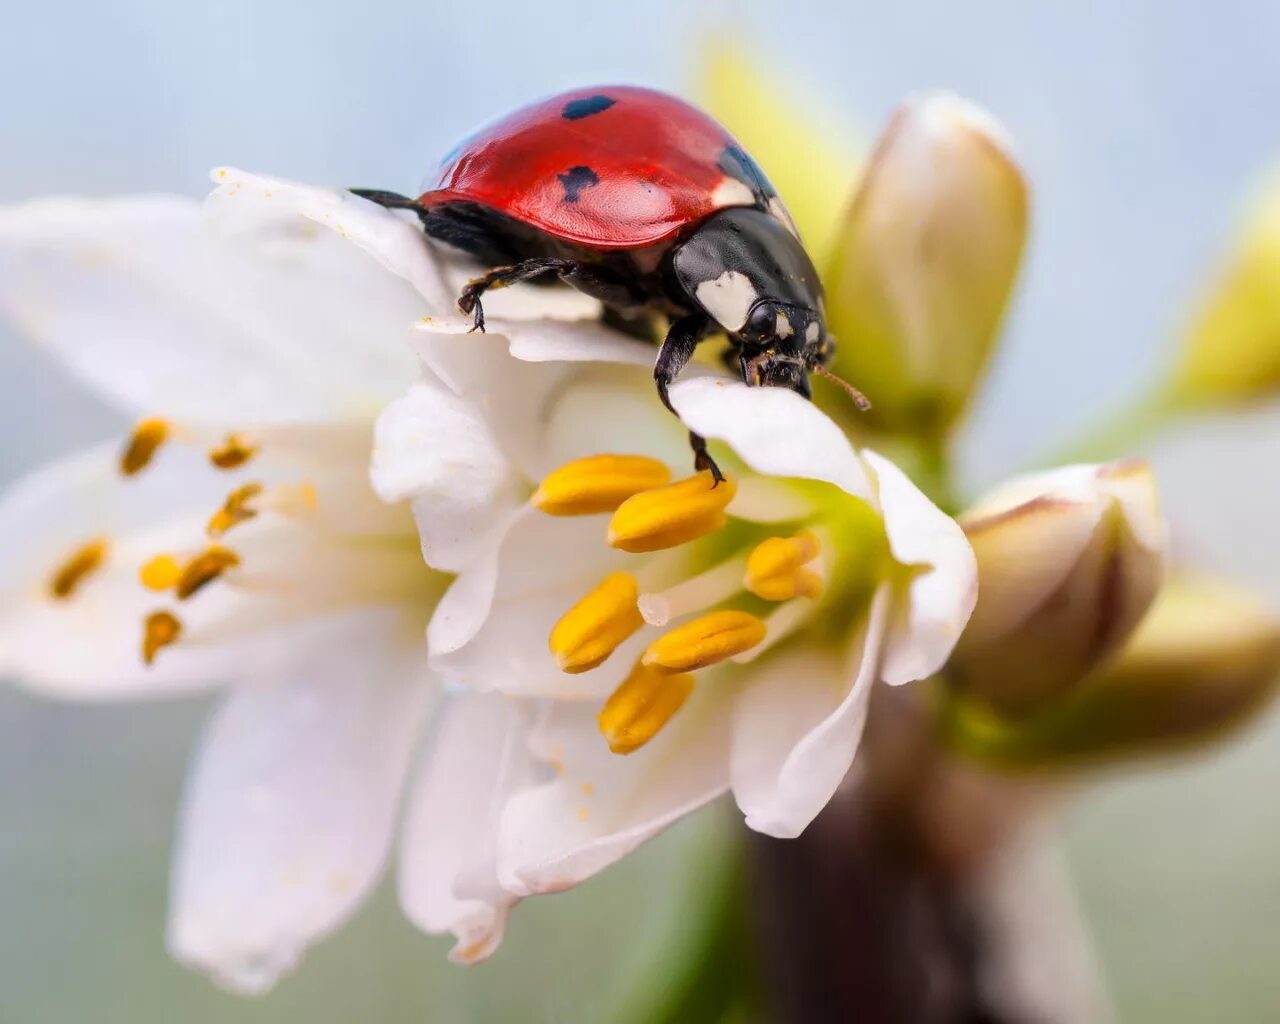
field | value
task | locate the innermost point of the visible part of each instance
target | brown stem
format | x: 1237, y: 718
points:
x: 880, y: 911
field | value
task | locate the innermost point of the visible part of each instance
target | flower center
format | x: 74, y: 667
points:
x: 737, y: 592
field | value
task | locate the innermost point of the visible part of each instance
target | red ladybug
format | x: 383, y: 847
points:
x: 646, y: 203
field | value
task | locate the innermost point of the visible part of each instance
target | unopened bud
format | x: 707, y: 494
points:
x: 925, y: 263
x: 1231, y: 355
x: 1068, y: 563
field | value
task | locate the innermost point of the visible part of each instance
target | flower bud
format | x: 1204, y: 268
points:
x: 925, y: 263
x: 1231, y: 354
x: 1068, y: 563
x: 1206, y: 658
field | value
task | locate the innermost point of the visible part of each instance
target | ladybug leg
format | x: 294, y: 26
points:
x: 502, y: 277
x: 673, y: 356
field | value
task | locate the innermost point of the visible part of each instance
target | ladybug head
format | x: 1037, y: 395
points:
x: 780, y: 344
x: 748, y: 272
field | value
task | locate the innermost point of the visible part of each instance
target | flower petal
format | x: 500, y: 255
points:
x: 796, y: 728
x: 601, y: 806
x: 519, y: 369
x: 438, y: 449
x: 243, y: 200
x: 940, y: 598
x: 773, y: 430
x: 478, y: 755
x: 288, y: 814
x: 271, y: 326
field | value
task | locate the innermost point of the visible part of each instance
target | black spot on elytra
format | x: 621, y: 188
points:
x: 737, y: 163
x: 575, y: 110
x: 575, y: 179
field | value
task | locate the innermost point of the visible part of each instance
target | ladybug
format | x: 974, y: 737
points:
x: 649, y: 205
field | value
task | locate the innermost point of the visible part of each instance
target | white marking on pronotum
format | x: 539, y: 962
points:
x: 783, y: 328
x: 732, y: 192
x: 811, y: 333
x: 728, y: 298
x: 780, y: 211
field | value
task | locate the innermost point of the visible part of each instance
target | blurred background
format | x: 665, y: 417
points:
x: 1142, y: 127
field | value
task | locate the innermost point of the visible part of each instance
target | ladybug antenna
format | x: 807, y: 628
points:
x: 859, y: 399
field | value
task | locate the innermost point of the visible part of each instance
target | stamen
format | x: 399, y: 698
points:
x: 666, y: 517
x: 599, y: 483
x: 144, y: 442
x: 162, y: 629
x: 776, y: 568
x: 71, y: 573
x: 160, y: 573
x: 234, y: 452
x: 693, y: 595
x: 593, y: 628
x: 641, y: 706
x: 205, y: 568
x: 705, y: 641
x: 236, y: 509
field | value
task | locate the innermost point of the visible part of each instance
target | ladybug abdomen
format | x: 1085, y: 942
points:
x: 608, y: 168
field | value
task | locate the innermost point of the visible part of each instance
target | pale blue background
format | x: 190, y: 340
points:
x: 1141, y: 124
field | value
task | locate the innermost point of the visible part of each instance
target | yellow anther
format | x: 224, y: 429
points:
x: 599, y: 483
x: 162, y: 629
x: 776, y: 568
x: 160, y: 573
x: 705, y: 641
x: 641, y: 706
x: 666, y: 517
x: 205, y: 568
x: 143, y: 443
x: 234, y: 452
x: 236, y: 509
x: 71, y: 573
x: 593, y: 628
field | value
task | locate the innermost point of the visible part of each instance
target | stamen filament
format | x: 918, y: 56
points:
x: 638, y: 709
x: 666, y: 517
x: 705, y: 641
x: 695, y: 594
x: 593, y: 628
x: 599, y: 483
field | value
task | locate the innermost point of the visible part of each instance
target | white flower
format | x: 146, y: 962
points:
x: 823, y: 563
x: 236, y: 540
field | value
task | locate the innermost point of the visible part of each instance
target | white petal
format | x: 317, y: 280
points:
x: 437, y: 449
x: 773, y: 430
x: 254, y: 202
x: 287, y: 818
x: 601, y: 805
x: 796, y: 728
x: 477, y: 756
x: 514, y: 374
x: 940, y: 598
x: 147, y: 305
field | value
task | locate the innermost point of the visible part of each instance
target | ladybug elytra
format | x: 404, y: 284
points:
x: 646, y: 203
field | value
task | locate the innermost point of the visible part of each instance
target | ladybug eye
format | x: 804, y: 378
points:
x: 762, y: 322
